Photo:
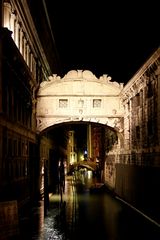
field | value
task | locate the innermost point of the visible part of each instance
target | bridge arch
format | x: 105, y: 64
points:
x: 79, y: 96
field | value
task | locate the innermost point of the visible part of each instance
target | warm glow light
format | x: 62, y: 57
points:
x: 72, y: 159
x: 82, y: 157
x: 89, y: 174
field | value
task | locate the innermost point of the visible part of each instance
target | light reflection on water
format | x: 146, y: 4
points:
x: 61, y: 218
x: 51, y: 231
x: 38, y: 223
x: 82, y: 214
x: 77, y: 214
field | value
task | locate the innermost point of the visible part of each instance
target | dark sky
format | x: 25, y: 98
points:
x: 105, y: 37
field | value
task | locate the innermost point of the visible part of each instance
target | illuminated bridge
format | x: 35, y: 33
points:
x: 82, y: 97
x: 88, y: 164
x: 79, y: 96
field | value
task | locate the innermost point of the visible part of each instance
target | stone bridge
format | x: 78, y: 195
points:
x: 79, y: 96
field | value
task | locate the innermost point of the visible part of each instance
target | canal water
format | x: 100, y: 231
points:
x: 80, y: 213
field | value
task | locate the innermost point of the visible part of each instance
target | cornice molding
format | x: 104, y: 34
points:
x: 141, y: 72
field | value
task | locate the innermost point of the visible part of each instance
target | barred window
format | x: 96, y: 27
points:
x: 63, y: 103
x: 96, y: 103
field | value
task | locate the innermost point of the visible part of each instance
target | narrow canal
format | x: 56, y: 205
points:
x: 84, y: 214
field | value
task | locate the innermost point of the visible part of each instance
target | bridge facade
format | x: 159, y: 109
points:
x: 82, y: 97
x: 79, y: 96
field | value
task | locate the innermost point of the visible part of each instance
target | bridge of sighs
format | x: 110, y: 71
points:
x: 82, y: 97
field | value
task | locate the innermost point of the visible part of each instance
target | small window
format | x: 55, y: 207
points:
x: 63, y: 103
x: 96, y: 103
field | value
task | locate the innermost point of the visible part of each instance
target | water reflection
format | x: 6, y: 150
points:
x: 32, y: 223
x: 82, y: 214
x: 62, y: 216
x: 38, y: 222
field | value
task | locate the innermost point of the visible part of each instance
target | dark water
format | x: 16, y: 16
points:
x: 81, y: 214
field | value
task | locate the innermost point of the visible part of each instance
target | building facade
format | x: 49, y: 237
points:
x: 23, y: 66
x: 138, y: 165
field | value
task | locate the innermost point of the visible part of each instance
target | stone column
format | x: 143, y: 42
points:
x: 25, y: 49
x: 31, y: 62
x: 16, y: 37
x: 21, y: 41
x: 7, y: 14
x: 27, y: 53
x: 12, y: 25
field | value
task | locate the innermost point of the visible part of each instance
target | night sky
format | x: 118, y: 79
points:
x: 105, y: 37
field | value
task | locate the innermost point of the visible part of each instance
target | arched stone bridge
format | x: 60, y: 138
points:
x: 79, y: 96
x: 90, y: 165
